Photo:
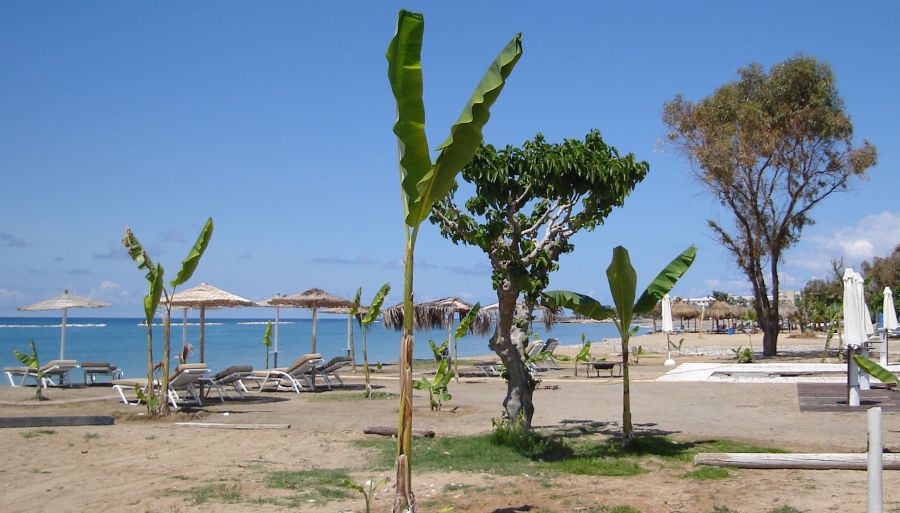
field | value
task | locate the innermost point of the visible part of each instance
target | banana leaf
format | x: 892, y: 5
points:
x: 267, y: 338
x: 880, y: 373
x: 354, y: 308
x: 137, y: 252
x: 189, y: 265
x: 466, y: 321
x: 665, y: 280
x: 154, y: 293
x: 622, y: 285
x: 28, y: 360
x: 584, y: 354
x: 375, y: 307
x: 578, y: 303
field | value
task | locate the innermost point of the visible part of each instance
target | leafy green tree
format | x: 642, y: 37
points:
x: 423, y: 183
x: 623, y: 286
x: 157, y: 405
x: 528, y: 203
x: 770, y: 148
x: 881, y: 273
x: 721, y: 296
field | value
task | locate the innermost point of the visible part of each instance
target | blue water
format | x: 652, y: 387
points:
x: 123, y: 342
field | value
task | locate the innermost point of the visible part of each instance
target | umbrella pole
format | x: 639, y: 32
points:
x: 275, y: 353
x: 884, y: 349
x: 202, y: 334
x: 183, y: 327
x: 315, y: 318
x: 62, y: 340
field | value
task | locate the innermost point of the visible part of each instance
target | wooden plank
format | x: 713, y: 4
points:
x: 809, y: 461
x: 80, y: 420
x: 216, y: 425
x: 392, y: 431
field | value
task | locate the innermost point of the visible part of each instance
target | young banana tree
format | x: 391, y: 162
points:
x: 267, y: 341
x: 460, y: 332
x: 32, y: 361
x: 423, y: 183
x: 623, y: 285
x: 584, y: 355
x: 366, y: 321
x: 155, y: 294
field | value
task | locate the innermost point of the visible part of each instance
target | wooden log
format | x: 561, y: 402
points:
x: 80, y: 420
x: 392, y: 431
x: 808, y: 461
x: 216, y: 425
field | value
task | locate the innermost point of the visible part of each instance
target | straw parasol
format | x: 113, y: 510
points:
x: 721, y: 310
x: 63, y: 302
x: 205, y: 296
x: 684, y: 310
x: 788, y: 311
x: 313, y: 299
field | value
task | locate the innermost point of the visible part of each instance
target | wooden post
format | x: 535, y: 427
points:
x: 315, y: 318
x: 202, y: 334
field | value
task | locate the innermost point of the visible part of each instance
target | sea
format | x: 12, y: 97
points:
x: 123, y: 341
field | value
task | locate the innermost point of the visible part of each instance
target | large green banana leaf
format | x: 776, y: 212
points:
x: 375, y: 307
x: 189, y: 265
x: 622, y: 285
x: 354, y: 308
x: 883, y: 375
x: 466, y: 321
x: 665, y: 280
x: 423, y: 184
x: 578, y: 303
x: 137, y: 253
x: 151, y: 300
x: 405, y: 74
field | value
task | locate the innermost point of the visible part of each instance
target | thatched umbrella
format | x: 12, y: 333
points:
x: 548, y: 315
x: 788, y: 311
x: 722, y: 310
x: 684, y: 310
x: 205, y: 296
x: 313, y: 299
x: 63, y: 302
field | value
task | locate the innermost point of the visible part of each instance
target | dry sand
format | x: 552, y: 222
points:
x: 152, y: 466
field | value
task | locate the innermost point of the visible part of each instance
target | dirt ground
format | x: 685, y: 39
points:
x: 146, y: 466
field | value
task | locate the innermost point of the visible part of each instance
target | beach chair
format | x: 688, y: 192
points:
x: 182, y: 379
x: 328, y: 370
x: 230, y: 377
x: 488, y: 369
x: 93, y: 369
x: 289, y: 378
x: 541, y: 359
x: 58, y: 368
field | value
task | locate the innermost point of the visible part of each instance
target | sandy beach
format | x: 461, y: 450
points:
x: 142, y: 466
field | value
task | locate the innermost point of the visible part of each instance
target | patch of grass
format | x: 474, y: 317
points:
x: 91, y: 436
x: 221, y: 492
x: 180, y: 477
x: 611, y: 466
x: 723, y: 509
x: 707, y: 473
x: 452, y: 487
x: 614, y: 509
x: 785, y: 509
x: 321, y: 485
x: 36, y: 432
x: 150, y: 437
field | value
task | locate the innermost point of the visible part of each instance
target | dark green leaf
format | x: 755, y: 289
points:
x: 465, y: 135
x: 880, y: 373
x: 665, y: 280
x: 267, y: 338
x: 622, y: 286
x: 466, y: 321
x: 405, y: 76
x: 377, y: 301
x: 137, y: 253
x: 585, y: 353
x: 193, y: 259
x: 578, y: 303
x: 151, y: 300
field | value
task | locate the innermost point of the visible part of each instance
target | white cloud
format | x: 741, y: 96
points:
x: 108, y: 285
x: 872, y: 236
x: 10, y: 296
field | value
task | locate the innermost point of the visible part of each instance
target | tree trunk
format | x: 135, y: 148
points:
x: 509, y: 344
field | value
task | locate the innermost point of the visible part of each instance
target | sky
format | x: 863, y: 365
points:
x: 274, y: 118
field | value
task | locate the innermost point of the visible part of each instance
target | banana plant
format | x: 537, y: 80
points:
x: 623, y: 285
x: 437, y: 388
x: 32, y: 361
x: 584, y: 355
x: 353, y: 312
x: 365, y: 322
x: 460, y: 332
x: 874, y: 369
x: 439, y: 350
x: 267, y: 341
x: 423, y: 183
x: 156, y: 292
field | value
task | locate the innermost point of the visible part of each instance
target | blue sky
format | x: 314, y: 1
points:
x: 274, y: 118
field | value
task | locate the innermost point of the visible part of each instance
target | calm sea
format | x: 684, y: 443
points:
x: 123, y: 342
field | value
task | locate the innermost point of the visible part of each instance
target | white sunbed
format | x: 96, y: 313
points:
x: 58, y: 368
x: 289, y: 378
x: 183, y: 379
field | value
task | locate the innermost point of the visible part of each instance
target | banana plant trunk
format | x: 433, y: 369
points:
x: 509, y: 344
x: 404, y: 501
x: 164, y: 380
x: 627, y: 429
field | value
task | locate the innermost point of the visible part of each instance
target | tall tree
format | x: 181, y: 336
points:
x: 881, y: 273
x: 528, y: 203
x: 769, y: 147
x: 422, y: 183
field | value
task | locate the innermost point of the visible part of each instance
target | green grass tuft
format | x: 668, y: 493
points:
x: 36, y: 432
x: 786, y: 509
x: 321, y: 485
x: 221, y: 492
x: 706, y: 473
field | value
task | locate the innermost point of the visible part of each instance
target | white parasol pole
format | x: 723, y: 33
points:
x: 62, y: 340
x: 184, y: 327
x: 202, y: 334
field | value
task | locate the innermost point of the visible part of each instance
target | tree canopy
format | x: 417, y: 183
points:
x: 770, y: 147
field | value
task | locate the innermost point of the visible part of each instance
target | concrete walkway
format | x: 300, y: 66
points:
x: 762, y: 372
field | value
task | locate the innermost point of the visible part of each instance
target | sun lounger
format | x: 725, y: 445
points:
x: 94, y: 369
x: 328, y: 370
x: 230, y: 377
x: 58, y: 368
x: 182, y: 379
x: 488, y: 369
x: 542, y: 360
x: 289, y: 378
